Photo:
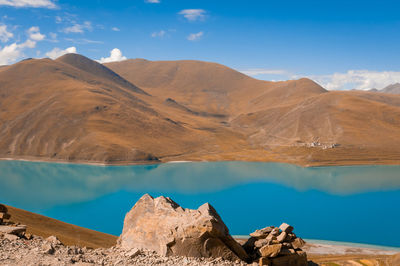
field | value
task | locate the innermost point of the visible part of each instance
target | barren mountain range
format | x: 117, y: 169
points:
x: 133, y: 111
x: 394, y: 89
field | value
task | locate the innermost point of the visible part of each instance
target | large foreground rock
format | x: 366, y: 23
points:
x: 163, y: 226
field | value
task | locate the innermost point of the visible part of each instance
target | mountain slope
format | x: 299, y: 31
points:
x: 85, y: 64
x: 289, y: 115
x: 51, y: 109
x: 209, y: 87
x: 68, y: 234
x: 393, y: 89
x: 76, y: 109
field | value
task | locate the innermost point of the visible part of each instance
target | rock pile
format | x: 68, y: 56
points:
x: 8, y: 228
x: 276, y: 246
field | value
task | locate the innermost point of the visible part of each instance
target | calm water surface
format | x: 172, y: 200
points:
x: 350, y: 203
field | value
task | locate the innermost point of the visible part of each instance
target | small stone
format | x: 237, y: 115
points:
x: 11, y: 237
x: 53, y: 240
x: 287, y: 245
x: 262, y: 233
x: 261, y: 242
x: 270, y: 237
x: 275, y: 231
x: 5, y: 216
x: 258, y: 234
x: 270, y: 251
x: 282, y: 236
x: 290, y: 237
x: 264, y: 262
x: 298, y: 243
x: 287, y: 251
x: 292, y: 259
x: 133, y: 253
x: 48, y: 249
x: 286, y: 228
x: 14, y: 230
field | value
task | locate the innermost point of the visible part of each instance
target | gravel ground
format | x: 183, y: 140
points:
x: 39, y: 251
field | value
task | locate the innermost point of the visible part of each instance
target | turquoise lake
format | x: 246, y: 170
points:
x: 358, y: 204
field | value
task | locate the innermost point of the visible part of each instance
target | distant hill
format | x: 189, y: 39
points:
x: 135, y: 111
x: 393, y: 89
x: 209, y: 86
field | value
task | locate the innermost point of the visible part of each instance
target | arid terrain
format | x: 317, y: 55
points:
x: 88, y: 247
x: 139, y: 111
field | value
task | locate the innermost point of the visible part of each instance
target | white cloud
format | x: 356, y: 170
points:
x: 115, y: 56
x: 10, y: 53
x: 4, y: 34
x: 262, y: 71
x: 357, y: 79
x: 352, y: 79
x: 57, y: 52
x: 79, y: 28
x: 28, y: 3
x: 28, y: 44
x: 53, y: 37
x: 34, y: 34
x: 115, y: 29
x: 160, y: 34
x: 195, y: 36
x: 83, y: 41
x: 193, y: 14
x: 152, y: 1
x: 58, y: 19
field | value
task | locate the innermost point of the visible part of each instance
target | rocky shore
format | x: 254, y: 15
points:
x: 160, y: 232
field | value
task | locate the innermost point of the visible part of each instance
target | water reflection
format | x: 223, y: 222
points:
x: 50, y: 184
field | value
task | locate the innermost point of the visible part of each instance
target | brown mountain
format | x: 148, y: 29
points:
x: 75, y: 109
x: 211, y: 87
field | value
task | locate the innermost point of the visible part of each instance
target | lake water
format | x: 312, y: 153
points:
x: 349, y: 203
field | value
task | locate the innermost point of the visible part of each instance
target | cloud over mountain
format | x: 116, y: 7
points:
x: 115, y: 56
x: 357, y: 79
x: 57, y: 52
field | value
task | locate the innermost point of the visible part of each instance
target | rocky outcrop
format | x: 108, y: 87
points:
x: 163, y: 226
x: 277, y: 246
x: 8, y: 228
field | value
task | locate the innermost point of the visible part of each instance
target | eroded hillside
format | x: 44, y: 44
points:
x: 134, y: 111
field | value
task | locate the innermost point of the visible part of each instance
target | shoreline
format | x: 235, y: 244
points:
x: 328, y: 247
x: 156, y: 162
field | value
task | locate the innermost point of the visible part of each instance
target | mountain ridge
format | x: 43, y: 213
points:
x: 140, y: 111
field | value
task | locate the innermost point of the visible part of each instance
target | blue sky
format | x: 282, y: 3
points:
x: 340, y: 44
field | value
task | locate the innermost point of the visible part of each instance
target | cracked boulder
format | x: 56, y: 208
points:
x: 161, y: 225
